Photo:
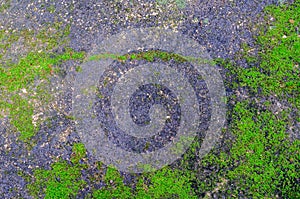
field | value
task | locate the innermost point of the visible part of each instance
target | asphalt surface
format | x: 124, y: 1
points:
x: 218, y: 25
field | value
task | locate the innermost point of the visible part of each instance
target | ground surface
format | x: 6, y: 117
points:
x: 255, y: 45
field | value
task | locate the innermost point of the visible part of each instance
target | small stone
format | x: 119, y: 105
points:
x: 24, y: 90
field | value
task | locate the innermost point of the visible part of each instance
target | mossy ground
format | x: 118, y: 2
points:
x: 64, y: 178
x: 18, y: 78
x: 261, y: 162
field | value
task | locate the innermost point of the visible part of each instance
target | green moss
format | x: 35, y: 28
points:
x: 21, y: 116
x: 49, y: 37
x: 36, y: 62
x: 51, y: 9
x: 63, y: 180
x: 179, y: 3
x: 263, y: 161
x: 279, y: 56
x: 20, y: 77
x: 150, y: 56
x: 267, y: 161
x: 7, y: 38
x: 164, y: 183
x: 79, y: 152
x: 34, y: 65
x: 58, y: 36
x: 114, y: 188
x: 183, y: 142
x: 78, y: 69
x: 5, y: 5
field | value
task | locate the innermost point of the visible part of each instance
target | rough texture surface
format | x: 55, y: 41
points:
x: 220, y: 26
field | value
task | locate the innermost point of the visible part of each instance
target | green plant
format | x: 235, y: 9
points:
x: 63, y: 180
x: 179, y: 3
x: 263, y: 161
x: 37, y: 62
x: 278, y: 57
x: 5, y: 5
x: 20, y: 77
x: 266, y: 161
x: 151, y: 55
x: 164, y: 183
x: 114, y: 188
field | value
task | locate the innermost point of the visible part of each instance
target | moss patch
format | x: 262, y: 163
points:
x: 151, y: 55
x: 5, y: 5
x: 63, y: 180
x: 164, y: 183
x: 263, y: 162
x: 36, y: 63
x: 16, y: 82
x: 276, y: 69
x: 267, y: 163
